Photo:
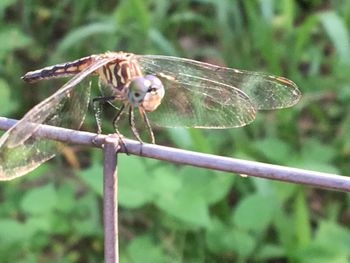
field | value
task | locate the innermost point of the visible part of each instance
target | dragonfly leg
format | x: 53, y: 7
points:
x: 117, y: 118
x: 149, y: 127
x: 115, y: 126
x: 132, y: 124
x: 96, y: 102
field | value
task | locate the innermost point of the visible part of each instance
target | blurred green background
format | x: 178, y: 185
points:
x: 171, y: 213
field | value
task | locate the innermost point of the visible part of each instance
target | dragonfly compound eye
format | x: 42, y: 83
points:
x: 146, y: 91
x: 138, y: 88
x: 154, y: 95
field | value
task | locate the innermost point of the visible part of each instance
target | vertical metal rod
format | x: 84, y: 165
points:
x: 110, y: 201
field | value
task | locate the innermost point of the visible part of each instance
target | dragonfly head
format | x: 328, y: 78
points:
x: 146, y: 91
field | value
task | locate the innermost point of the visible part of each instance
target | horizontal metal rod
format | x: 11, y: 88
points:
x: 258, y: 169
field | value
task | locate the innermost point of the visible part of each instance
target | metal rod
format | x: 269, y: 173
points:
x: 263, y: 170
x: 110, y: 201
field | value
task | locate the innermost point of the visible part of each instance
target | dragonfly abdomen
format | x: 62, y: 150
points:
x: 59, y: 70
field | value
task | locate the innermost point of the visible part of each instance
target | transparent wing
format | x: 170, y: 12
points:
x: 193, y: 99
x: 20, y: 150
x: 203, y: 95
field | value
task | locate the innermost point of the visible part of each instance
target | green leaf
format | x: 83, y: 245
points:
x: 37, y: 224
x: 270, y: 251
x: 188, y: 193
x: 334, y: 236
x: 188, y: 207
x: 317, y: 156
x: 93, y: 176
x: 144, y: 249
x: 302, y: 219
x: 134, y: 14
x: 284, y: 226
x: 338, y: 33
x: 314, y: 149
x: 254, y: 212
x: 135, y: 188
x: 273, y: 149
x: 163, y: 44
x: 4, y: 4
x: 11, y: 39
x: 15, y: 231
x: 66, y: 197
x: 223, y: 238
x: 191, y: 209
x: 181, y: 137
x: 219, y: 185
x: 165, y: 183
x: 7, y: 104
x: 316, y: 253
x: 40, y: 200
x: 172, y: 196
x: 81, y: 34
x: 331, y: 244
x: 87, y: 219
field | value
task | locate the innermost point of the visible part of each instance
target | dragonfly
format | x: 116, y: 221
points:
x: 167, y: 91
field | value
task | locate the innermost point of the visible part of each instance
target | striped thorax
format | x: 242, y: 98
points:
x: 118, y: 73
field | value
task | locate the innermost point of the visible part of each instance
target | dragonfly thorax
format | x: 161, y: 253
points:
x: 118, y: 73
x: 146, y: 92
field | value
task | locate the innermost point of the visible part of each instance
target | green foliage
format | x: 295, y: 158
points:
x: 170, y: 213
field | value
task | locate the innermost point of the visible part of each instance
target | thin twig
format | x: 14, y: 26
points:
x: 276, y: 172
